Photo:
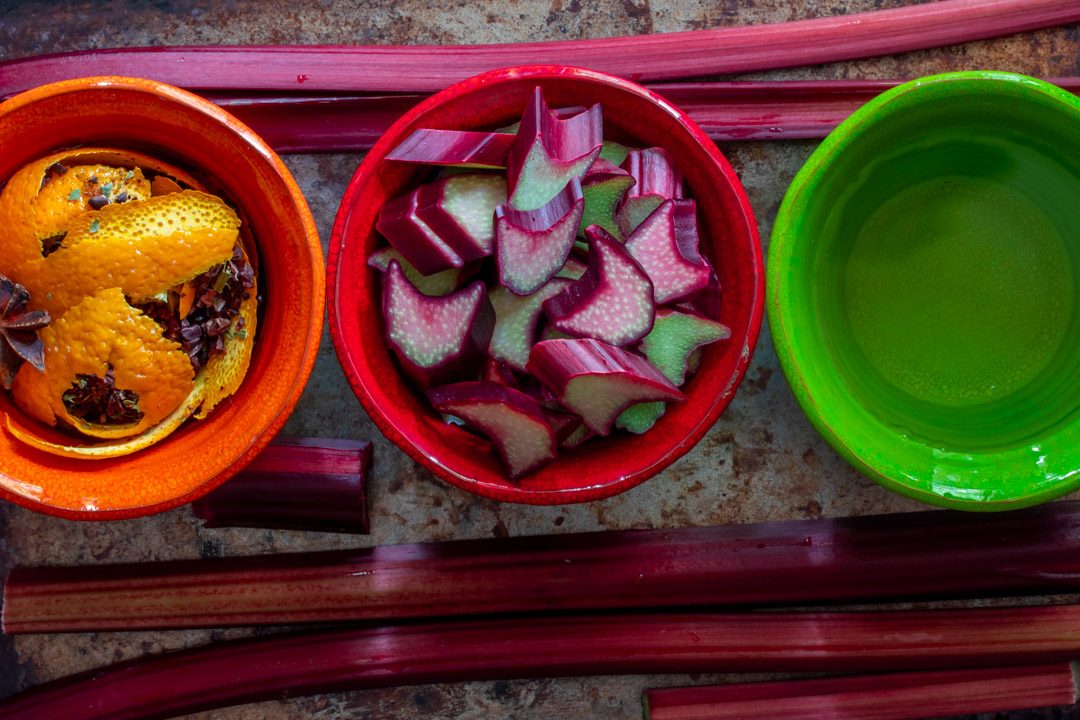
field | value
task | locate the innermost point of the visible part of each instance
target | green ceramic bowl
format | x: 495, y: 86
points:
x: 922, y: 290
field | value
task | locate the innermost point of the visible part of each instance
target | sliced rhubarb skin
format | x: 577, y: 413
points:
x: 615, y: 153
x: 613, y: 300
x: 436, y: 339
x: 516, y: 318
x: 533, y: 245
x: 655, y: 180
x: 604, y: 186
x: 459, y: 209
x: 666, y: 247
x: 513, y: 421
x: 549, y: 151
x: 413, y: 238
x: 441, y: 283
x: 597, y: 381
x: 456, y: 148
x: 674, y: 339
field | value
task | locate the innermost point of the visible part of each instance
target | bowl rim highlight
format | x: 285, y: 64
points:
x: 874, y: 451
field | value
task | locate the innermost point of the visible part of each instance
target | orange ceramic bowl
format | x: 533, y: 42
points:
x: 601, y: 467
x: 220, y: 153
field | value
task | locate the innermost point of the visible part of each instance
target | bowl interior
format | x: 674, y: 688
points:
x: 925, y: 267
x: 728, y: 238
x: 229, y: 159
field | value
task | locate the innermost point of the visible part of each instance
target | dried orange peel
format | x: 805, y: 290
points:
x: 105, y: 259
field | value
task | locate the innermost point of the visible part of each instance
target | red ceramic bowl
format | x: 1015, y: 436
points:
x: 602, y: 467
x: 217, y: 151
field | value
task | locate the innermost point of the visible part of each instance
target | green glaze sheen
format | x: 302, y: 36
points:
x: 922, y: 290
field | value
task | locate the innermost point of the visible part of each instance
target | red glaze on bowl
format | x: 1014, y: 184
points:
x: 223, y: 154
x: 602, y: 467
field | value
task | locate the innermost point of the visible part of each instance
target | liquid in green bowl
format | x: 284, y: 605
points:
x: 923, y: 293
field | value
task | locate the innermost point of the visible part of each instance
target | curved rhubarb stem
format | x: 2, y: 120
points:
x: 249, y: 670
x: 908, y: 555
x: 662, y: 56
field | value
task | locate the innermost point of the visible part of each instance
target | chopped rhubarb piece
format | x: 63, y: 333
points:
x: 436, y: 339
x: 512, y: 420
x: 615, y: 153
x: 656, y: 180
x: 674, y: 338
x: 562, y: 424
x: 613, y: 300
x: 533, y: 245
x: 597, y: 381
x: 706, y: 301
x: 562, y: 113
x: 666, y: 246
x: 458, y: 148
x: 441, y: 283
x: 515, y: 322
x: 411, y: 236
x: 604, y: 187
x: 549, y: 151
x: 641, y: 417
x: 577, y: 437
x: 460, y: 209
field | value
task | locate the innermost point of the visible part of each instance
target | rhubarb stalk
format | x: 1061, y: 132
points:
x: 661, y: 56
x: 292, y: 665
x: 910, y: 555
x: 895, y: 696
x: 295, y: 484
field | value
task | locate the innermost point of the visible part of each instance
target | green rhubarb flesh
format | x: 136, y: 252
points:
x: 601, y: 399
x: 634, y: 211
x: 542, y: 177
x: 601, y: 199
x: 674, y: 337
x: 523, y: 442
x: 615, y: 153
x: 516, y: 317
x: 441, y: 283
x: 640, y: 418
x: 471, y: 199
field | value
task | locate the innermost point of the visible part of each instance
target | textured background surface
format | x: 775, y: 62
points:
x: 761, y: 461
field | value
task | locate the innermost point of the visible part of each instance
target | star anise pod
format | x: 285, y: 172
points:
x: 18, y: 331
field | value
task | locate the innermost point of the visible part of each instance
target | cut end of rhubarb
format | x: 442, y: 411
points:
x: 441, y: 283
x: 514, y: 422
x: 675, y: 338
x: 549, y: 151
x: 436, y: 339
x: 413, y: 238
x: 604, y: 187
x: 666, y: 247
x: 460, y: 209
x: 516, y: 318
x: 613, y: 300
x: 655, y: 180
x: 597, y: 381
x: 533, y: 245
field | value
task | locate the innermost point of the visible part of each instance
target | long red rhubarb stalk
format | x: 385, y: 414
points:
x: 740, y: 110
x: 296, y: 484
x: 264, y: 668
x: 664, y: 56
x: 911, y: 555
x: 896, y: 696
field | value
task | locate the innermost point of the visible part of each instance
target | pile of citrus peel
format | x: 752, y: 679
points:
x: 141, y: 294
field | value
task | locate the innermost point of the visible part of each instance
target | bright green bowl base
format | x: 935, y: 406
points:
x: 923, y: 290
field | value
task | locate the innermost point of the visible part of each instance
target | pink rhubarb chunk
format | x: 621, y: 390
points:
x: 458, y: 148
x: 611, y: 302
x: 549, y: 151
x: 597, y: 381
x: 666, y: 247
x: 516, y: 318
x: 531, y: 246
x: 460, y: 210
x: 411, y: 236
x: 512, y: 420
x: 436, y: 339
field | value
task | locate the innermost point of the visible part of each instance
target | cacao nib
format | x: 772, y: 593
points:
x: 97, y: 400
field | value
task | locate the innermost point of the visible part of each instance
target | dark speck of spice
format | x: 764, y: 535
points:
x: 52, y: 243
x: 97, y: 400
x: 51, y: 173
x: 121, y: 198
x: 98, y: 201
